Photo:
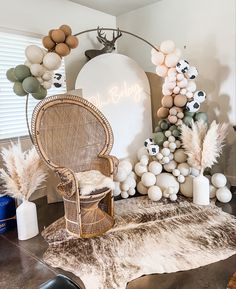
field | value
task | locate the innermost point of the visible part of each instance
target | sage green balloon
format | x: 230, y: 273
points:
x: 201, y: 116
x: 40, y: 94
x: 21, y: 72
x: 18, y: 89
x: 188, y: 120
x: 176, y: 133
x: 173, y: 127
x: 11, y: 75
x: 189, y: 113
x: 159, y: 138
x: 164, y: 125
x: 157, y: 129
x: 30, y: 84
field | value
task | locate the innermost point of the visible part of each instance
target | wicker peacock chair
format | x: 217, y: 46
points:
x: 73, y: 136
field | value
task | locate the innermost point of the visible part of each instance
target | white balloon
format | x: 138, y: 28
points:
x: 155, y: 168
x: 172, y: 146
x: 173, y: 197
x: 47, y: 84
x: 120, y: 176
x: 124, y: 186
x: 34, y: 54
x: 37, y: 69
x: 131, y: 191
x: 194, y: 172
x: 170, y: 166
x: 218, y: 180
x: 176, y: 172
x: 126, y: 166
x: 224, y: 195
x: 48, y: 75
x: 142, y: 151
x: 166, y: 180
x: 154, y: 193
x: 181, y: 179
x: 148, y: 179
x: 144, y: 160
x: 212, y: 191
x: 130, y: 181
x: 165, y: 152
x: 167, y: 46
x: 140, y: 169
x: 52, y: 61
x: 142, y: 189
x: 165, y: 160
x: 168, y: 191
x: 184, y: 169
x: 124, y: 194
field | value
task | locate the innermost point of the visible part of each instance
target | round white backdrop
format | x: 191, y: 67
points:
x: 119, y: 87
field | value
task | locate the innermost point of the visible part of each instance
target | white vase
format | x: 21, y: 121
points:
x: 201, y: 190
x: 27, y: 221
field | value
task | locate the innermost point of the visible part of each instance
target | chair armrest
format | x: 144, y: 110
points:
x: 69, y: 183
x: 113, y: 164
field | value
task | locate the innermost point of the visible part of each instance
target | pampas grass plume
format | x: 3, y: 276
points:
x: 24, y: 171
x: 202, y: 145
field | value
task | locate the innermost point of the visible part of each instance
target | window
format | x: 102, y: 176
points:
x: 12, y: 107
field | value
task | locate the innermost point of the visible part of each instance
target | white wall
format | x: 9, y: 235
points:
x: 39, y: 16
x: 207, y: 28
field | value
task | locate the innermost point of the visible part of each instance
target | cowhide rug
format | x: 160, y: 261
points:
x: 147, y: 238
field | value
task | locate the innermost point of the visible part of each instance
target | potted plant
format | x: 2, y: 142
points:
x: 203, y: 146
x: 23, y: 174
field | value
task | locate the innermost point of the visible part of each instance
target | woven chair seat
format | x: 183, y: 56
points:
x: 72, y: 135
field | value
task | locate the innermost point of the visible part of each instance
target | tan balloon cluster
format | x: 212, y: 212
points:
x: 60, y: 40
x: 35, y: 77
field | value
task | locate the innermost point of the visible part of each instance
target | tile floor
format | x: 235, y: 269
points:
x: 21, y: 265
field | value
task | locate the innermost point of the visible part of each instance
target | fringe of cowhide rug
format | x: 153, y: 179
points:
x: 147, y: 238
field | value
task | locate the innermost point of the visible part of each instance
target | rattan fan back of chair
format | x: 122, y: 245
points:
x: 71, y: 132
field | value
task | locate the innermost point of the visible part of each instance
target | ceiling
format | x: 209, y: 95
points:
x: 115, y: 7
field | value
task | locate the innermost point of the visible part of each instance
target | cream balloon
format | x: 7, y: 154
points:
x: 148, y: 179
x: 52, y: 61
x: 186, y: 188
x: 223, y: 195
x: 180, y: 156
x: 37, y: 69
x: 34, y: 54
x: 155, y: 167
x: 166, y: 180
x: 140, y: 169
x: 218, y: 180
x: 142, y: 189
x: 154, y: 193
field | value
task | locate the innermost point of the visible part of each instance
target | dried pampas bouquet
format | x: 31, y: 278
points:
x: 24, y: 171
x: 203, y: 145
